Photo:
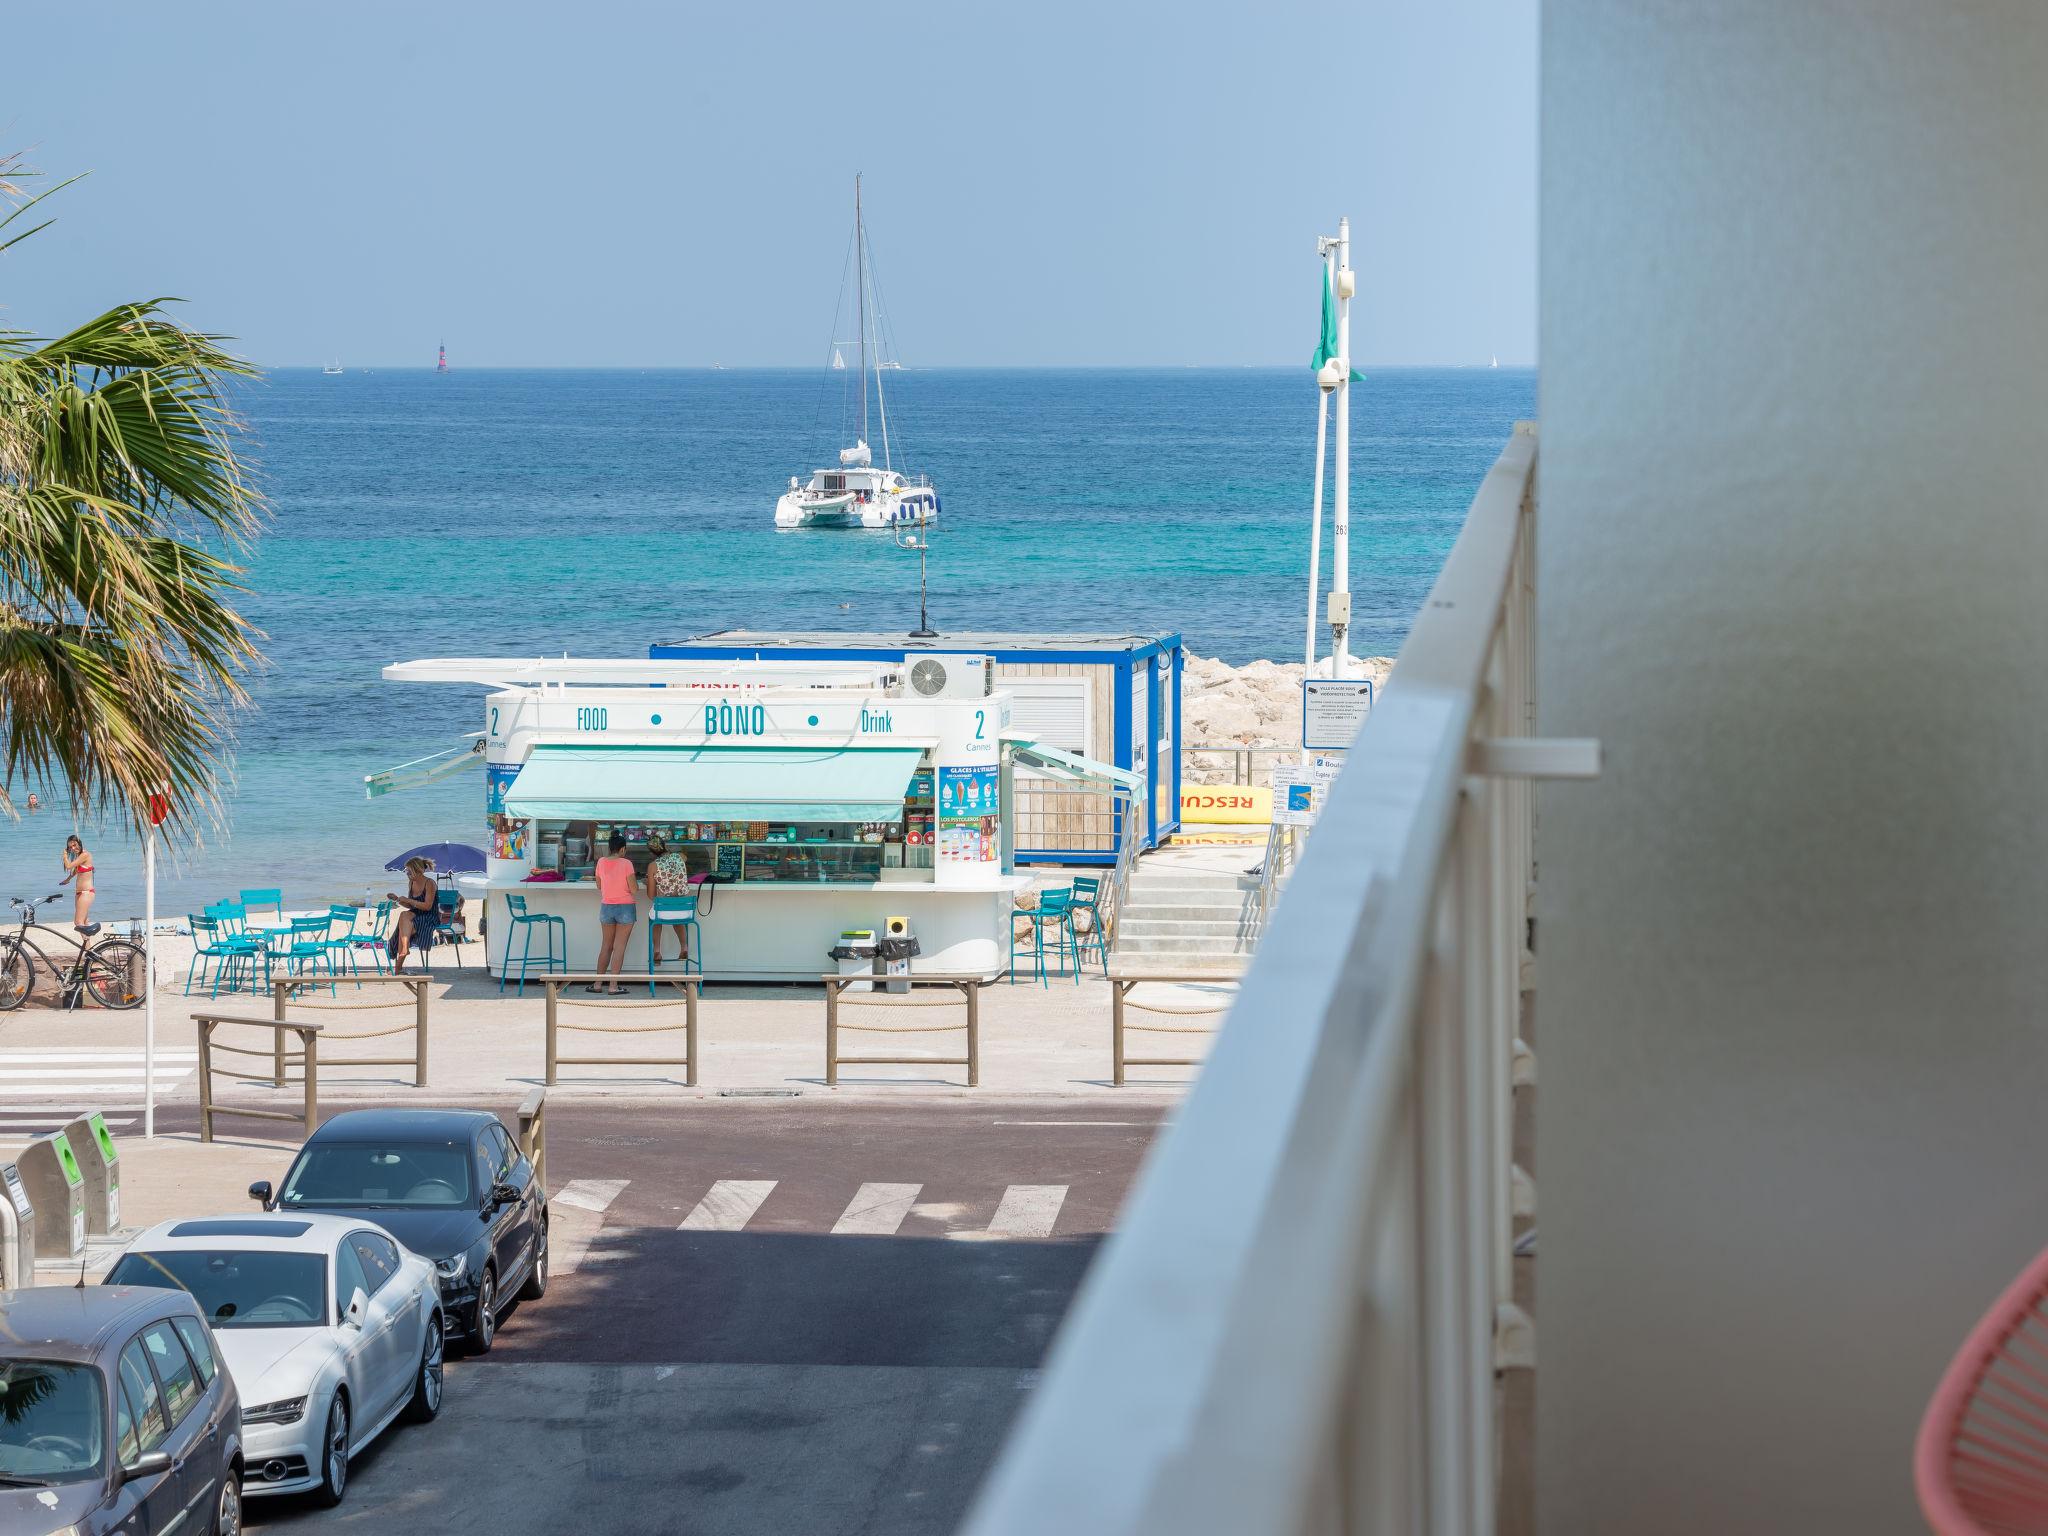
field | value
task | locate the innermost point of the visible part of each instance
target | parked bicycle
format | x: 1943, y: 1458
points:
x: 111, y: 969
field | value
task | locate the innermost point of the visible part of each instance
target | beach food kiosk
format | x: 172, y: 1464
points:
x: 808, y: 799
x: 1112, y: 698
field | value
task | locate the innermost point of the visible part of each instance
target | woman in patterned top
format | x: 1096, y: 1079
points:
x: 668, y: 874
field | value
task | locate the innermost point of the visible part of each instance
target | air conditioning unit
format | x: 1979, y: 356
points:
x: 950, y: 677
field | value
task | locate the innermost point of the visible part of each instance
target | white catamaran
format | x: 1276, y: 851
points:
x: 858, y: 493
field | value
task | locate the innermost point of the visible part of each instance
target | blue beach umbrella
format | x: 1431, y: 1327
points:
x: 447, y: 858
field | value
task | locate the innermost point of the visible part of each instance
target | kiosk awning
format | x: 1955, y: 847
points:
x: 713, y: 783
x: 1072, y: 767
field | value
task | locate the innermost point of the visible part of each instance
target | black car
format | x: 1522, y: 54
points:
x: 449, y: 1184
x: 115, y: 1415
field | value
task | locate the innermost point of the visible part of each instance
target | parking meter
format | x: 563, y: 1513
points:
x: 56, y: 1188
x: 17, y: 1231
x: 92, y: 1148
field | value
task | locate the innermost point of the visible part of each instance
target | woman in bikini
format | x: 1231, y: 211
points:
x: 78, y: 866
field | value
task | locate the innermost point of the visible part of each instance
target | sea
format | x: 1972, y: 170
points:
x: 509, y: 512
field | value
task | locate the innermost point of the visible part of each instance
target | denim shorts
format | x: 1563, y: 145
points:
x: 617, y: 912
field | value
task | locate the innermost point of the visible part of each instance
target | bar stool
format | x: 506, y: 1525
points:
x: 1087, y: 898
x: 668, y: 911
x: 523, y: 923
x: 1052, y: 908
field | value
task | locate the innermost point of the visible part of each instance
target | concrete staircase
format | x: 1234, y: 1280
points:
x: 1176, y: 915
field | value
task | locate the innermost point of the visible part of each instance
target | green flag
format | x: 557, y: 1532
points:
x: 1326, y: 345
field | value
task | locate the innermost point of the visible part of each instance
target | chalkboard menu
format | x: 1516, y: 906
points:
x: 732, y: 861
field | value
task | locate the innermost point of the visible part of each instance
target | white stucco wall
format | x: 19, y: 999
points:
x: 1793, y: 1129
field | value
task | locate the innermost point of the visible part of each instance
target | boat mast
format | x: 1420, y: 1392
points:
x: 860, y: 300
x: 881, y: 401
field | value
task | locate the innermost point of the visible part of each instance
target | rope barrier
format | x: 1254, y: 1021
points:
x: 621, y: 1029
x: 349, y: 1007
x: 371, y: 1034
x: 659, y: 1002
x: 1131, y: 1002
x: 902, y: 1029
x: 898, y: 1000
x: 1169, y: 1029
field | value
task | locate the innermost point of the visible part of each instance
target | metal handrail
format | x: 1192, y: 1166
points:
x: 1241, y: 753
x: 1297, y: 1325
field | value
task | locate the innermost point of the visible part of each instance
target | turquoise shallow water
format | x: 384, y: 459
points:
x: 507, y: 512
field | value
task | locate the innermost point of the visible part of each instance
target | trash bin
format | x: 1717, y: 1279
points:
x: 855, y: 953
x: 892, y: 960
x: 92, y: 1147
x: 17, y: 1232
x: 56, y: 1188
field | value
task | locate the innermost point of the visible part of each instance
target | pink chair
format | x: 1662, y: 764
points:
x: 1980, y: 1464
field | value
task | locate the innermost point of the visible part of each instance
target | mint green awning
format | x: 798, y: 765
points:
x: 1072, y: 767
x: 713, y: 783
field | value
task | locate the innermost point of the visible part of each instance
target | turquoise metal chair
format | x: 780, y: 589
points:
x: 251, y: 949
x: 220, y: 952
x: 447, y: 903
x: 1051, y: 912
x: 1087, y: 897
x: 271, y: 899
x: 520, y: 931
x: 669, y: 911
x: 309, y: 950
x: 342, y: 921
x: 370, y: 941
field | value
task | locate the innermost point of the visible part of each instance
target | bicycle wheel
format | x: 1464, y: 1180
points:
x: 113, y: 969
x: 17, y: 975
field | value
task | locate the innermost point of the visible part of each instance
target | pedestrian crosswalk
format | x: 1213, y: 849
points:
x: 1022, y: 1213
x: 42, y: 1089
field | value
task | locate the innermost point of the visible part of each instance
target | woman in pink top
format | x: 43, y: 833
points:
x: 615, y: 912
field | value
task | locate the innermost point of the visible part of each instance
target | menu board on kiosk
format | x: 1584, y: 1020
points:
x: 731, y: 861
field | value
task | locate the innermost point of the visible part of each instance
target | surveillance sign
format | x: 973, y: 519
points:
x: 1332, y: 711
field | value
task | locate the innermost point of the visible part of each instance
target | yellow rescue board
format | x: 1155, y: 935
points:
x: 1212, y: 804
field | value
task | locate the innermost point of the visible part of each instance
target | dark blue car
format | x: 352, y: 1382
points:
x: 449, y: 1184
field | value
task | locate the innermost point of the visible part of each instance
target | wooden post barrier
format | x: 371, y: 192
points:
x: 308, y: 1058
x: 283, y: 986
x: 968, y: 985
x: 1122, y: 979
x: 691, y: 984
x: 533, y: 1134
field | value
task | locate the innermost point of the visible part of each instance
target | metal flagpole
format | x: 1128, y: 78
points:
x: 1340, y: 551
x: 159, y: 808
x: 1315, y: 537
x: 149, y: 981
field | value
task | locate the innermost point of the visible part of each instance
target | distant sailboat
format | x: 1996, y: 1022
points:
x: 858, y: 493
x: 333, y: 367
x: 1495, y: 363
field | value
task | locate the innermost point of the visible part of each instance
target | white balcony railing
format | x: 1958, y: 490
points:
x: 1298, y: 1324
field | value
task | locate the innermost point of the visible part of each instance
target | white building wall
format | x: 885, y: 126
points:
x: 1793, y: 1006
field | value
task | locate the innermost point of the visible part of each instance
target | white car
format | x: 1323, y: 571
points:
x: 329, y: 1329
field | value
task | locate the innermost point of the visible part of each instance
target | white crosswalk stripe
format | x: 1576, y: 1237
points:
x: 589, y: 1194
x: 1028, y: 1210
x: 41, y: 1090
x: 1025, y: 1212
x: 729, y: 1205
x: 878, y: 1210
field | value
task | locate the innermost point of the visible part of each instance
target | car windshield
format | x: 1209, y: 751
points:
x: 360, y: 1173
x: 253, y: 1289
x: 52, y: 1422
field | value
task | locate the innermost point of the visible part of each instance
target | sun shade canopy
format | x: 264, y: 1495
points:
x: 713, y: 783
x: 1072, y: 767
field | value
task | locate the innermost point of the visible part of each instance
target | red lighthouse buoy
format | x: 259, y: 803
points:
x: 441, y: 364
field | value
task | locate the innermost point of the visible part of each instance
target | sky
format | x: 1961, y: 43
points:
x: 1130, y: 183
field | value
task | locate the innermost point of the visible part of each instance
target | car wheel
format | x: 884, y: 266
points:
x: 426, y: 1386
x: 537, y: 1278
x: 483, y: 1328
x: 227, y: 1517
x: 334, y: 1454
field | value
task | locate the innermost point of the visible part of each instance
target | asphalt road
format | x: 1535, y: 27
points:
x: 722, y: 1362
